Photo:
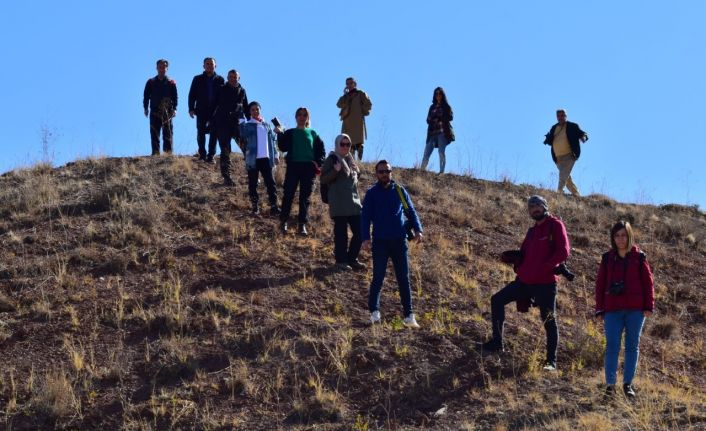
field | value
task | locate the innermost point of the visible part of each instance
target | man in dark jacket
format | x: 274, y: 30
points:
x: 230, y: 109
x: 202, y: 102
x: 565, y: 140
x: 545, y: 247
x: 385, y: 206
x: 160, y: 103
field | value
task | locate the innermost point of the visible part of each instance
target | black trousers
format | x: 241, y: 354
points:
x: 157, y: 124
x: 262, y: 166
x: 201, y: 132
x: 544, y: 296
x: 226, y: 132
x: 300, y: 174
x: 343, y: 251
x: 359, y: 149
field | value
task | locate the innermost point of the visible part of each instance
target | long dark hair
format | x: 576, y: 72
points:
x: 444, y: 102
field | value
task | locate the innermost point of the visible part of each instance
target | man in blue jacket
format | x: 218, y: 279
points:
x: 385, y: 206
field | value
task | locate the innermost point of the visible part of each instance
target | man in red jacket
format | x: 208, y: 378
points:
x: 544, y: 248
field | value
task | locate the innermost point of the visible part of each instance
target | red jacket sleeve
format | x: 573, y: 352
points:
x: 600, y: 288
x: 648, y: 286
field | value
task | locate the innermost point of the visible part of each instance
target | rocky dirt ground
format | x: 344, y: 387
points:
x: 138, y: 293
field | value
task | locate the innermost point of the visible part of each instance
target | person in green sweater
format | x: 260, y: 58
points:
x: 340, y: 173
x: 305, y: 154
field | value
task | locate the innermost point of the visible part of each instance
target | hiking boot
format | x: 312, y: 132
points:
x: 283, y: 227
x: 609, y: 392
x: 275, y: 211
x: 357, y: 265
x: 628, y: 390
x: 410, y: 321
x: 209, y: 160
x: 491, y: 347
x: 302, y: 230
x: 255, y: 209
x: 549, y: 366
x: 375, y: 317
x: 228, y: 182
x: 343, y: 266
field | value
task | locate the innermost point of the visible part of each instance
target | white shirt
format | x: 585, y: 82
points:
x: 262, y: 152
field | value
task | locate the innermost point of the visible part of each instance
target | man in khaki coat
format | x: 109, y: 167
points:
x: 355, y: 106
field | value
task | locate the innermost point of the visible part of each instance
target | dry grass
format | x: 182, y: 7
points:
x: 165, y: 305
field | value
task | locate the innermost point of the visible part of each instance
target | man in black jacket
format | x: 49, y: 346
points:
x: 230, y: 109
x: 565, y: 140
x: 160, y: 103
x: 202, y: 102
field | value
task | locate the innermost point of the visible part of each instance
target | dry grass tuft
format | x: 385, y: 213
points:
x: 55, y: 396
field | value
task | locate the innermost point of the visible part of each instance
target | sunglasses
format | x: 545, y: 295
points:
x: 384, y: 171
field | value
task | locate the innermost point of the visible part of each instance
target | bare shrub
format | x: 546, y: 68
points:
x: 55, y: 396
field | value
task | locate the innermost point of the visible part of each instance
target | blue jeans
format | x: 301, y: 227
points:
x: 395, y: 249
x: 440, y: 141
x: 631, y: 321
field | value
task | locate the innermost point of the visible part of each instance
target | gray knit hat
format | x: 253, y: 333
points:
x: 539, y: 201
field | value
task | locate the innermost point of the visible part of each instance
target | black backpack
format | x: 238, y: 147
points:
x: 323, y: 189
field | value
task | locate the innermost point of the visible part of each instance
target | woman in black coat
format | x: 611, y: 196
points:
x: 439, y: 130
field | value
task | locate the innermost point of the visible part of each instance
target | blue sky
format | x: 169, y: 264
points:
x: 631, y: 73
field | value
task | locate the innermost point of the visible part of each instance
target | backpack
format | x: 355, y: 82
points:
x: 323, y: 189
x: 408, y: 225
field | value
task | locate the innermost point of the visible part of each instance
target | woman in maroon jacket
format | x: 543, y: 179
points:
x: 624, y: 298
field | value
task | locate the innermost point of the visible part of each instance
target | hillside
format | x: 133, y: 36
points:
x: 139, y: 294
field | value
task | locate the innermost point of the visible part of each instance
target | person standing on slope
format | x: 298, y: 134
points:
x: 545, y: 247
x: 355, y: 105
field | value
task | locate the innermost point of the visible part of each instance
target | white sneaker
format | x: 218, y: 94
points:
x: 375, y: 316
x: 549, y: 367
x: 410, y: 321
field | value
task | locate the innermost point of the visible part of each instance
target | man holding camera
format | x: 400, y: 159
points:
x: 565, y: 140
x: 544, y: 248
x: 202, y: 102
x: 355, y: 105
x: 386, y: 205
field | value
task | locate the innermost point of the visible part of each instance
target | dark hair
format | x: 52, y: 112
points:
x: 350, y: 78
x: 161, y: 60
x: 381, y: 162
x: 253, y: 103
x: 444, y: 102
x: 306, y: 111
x: 233, y: 71
x: 209, y: 58
x: 560, y: 110
x: 617, y: 228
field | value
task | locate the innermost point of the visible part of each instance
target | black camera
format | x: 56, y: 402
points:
x: 275, y: 122
x: 616, y: 288
x: 563, y: 270
x: 409, y: 229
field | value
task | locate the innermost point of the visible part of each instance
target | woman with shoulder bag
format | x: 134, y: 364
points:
x: 340, y: 173
x: 624, y: 298
x: 439, y: 130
